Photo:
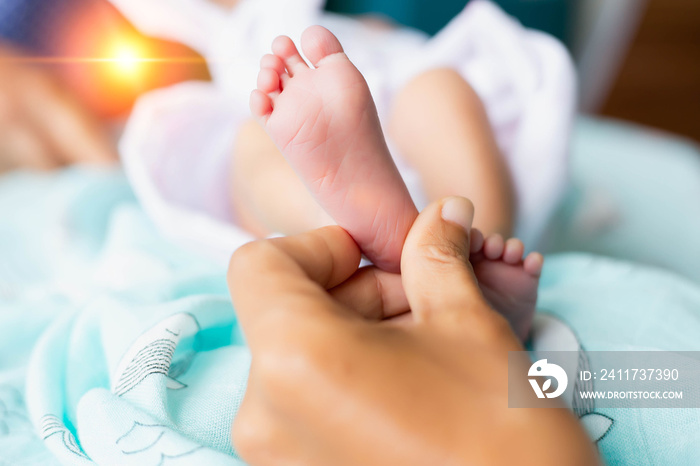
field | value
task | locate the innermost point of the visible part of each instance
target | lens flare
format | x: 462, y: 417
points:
x: 106, y: 62
x: 127, y: 61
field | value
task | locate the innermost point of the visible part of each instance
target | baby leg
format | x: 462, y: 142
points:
x: 440, y: 126
x: 266, y: 195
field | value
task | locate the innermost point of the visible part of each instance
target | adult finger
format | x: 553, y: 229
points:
x: 439, y: 281
x: 73, y: 134
x: 373, y: 293
x: 271, y: 280
x: 22, y: 147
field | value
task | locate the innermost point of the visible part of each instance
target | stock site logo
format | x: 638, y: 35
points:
x: 542, y: 368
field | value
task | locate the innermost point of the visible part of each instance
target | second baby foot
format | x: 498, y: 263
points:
x: 325, y: 123
x: 507, y: 281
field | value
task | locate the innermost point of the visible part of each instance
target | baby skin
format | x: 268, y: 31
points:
x: 324, y: 122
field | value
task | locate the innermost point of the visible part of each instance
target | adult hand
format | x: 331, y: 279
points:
x: 41, y: 125
x: 331, y: 383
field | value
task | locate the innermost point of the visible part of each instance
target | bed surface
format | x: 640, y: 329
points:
x: 92, y: 299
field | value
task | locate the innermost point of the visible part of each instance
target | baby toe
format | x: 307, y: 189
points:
x: 285, y: 49
x: 533, y: 264
x: 513, y: 252
x: 272, y: 62
x: 260, y: 104
x: 268, y: 80
x: 493, y: 247
x: 318, y: 43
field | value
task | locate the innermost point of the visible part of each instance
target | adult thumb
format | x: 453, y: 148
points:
x: 438, y: 279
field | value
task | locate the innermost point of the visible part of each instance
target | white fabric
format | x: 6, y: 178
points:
x: 177, y: 143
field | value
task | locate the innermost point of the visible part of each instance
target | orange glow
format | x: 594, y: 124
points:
x: 107, y: 63
x: 124, y: 61
x: 127, y: 61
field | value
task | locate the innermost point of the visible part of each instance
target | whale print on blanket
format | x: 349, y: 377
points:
x: 148, y: 436
x: 153, y: 354
x: 551, y: 334
x: 132, y: 436
x: 155, y: 441
x: 52, y: 426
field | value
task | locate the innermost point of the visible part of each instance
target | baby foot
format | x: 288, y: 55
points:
x: 508, y: 282
x: 325, y: 123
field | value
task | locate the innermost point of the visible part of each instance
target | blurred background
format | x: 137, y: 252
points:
x: 638, y: 60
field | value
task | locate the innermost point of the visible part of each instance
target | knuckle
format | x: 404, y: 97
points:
x: 270, y: 364
x: 447, y: 254
x: 247, y: 257
x: 283, y: 366
x: 287, y: 366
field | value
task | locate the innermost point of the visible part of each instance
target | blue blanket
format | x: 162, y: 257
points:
x: 120, y: 348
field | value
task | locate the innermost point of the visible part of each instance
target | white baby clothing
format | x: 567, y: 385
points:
x: 177, y: 144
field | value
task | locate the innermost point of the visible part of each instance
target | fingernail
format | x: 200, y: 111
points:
x: 460, y: 211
